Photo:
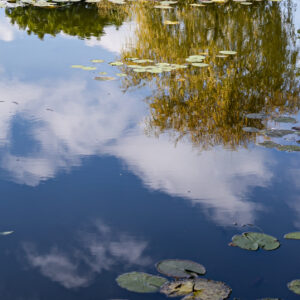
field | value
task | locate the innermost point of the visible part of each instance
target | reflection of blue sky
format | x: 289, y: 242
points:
x: 96, y: 118
x: 99, y: 249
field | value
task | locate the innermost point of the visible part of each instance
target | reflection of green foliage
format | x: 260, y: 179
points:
x: 208, y: 105
x: 82, y: 20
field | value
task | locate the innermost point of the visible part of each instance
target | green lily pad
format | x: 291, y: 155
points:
x: 250, y: 129
x: 269, y: 144
x: 283, y: 119
x: 292, y: 236
x: 278, y: 132
x: 140, y: 282
x: 180, y: 268
x: 6, y: 232
x: 195, y: 58
x: 104, y: 78
x: 256, y: 116
x: 288, y: 148
x: 228, y: 52
x: 294, y: 286
x: 116, y: 63
x: 200, y: 65
x: 121, y: 74
x: 97, y: 61
x: 197, y: 289
x: 255, y: 240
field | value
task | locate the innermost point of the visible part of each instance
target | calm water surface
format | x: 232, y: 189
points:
x: 99, y: 178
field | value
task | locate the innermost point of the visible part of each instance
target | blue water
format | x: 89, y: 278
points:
x: 90, y: 195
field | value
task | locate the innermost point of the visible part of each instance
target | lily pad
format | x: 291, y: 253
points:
x: 116, y: 63
x: 6, y: 232
x: 269, y: 144
x: 283, y: 119
x: 97, y: 61
x: 104, y: 78
x: 294, y: 286
x: 288, y: 148
x: 197, y: 289
x: 255, y: 240
x: 292, y: 236
x: 180, y: 268
x: 140, y: 282
x: 250, y: 129
x: 228, y: 52
x: 256, y: 116
x: 278, y: 132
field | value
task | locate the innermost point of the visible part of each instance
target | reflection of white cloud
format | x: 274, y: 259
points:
x: 98, y: 251
x: 114, y: 39
x: 7, y: 31
x: 101, y: 120
x: 218, y: 179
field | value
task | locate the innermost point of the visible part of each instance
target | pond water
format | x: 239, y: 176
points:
x: 102, y: 177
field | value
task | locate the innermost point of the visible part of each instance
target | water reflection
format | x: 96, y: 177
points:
x: 208, y: 105
x: 82, y: 20
x: 100, y: 248
x: 67, y: 119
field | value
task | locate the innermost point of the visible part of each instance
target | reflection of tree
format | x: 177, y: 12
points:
x: 82, y: 20
x: 208, y: 105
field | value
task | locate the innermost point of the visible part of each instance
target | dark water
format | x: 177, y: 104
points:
x: 101, y: 178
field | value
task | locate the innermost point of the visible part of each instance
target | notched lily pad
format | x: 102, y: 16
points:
x: 197, y: 289
x: 104, y: 78
x: 255, y: 240
x: 278, y: 132
x: 294, y: 286
x: 258, y: 116
x: 180, y: 268
x: 289, y: 148
x: 292, y: 236
x: 250, y: 129
x: 140, y: 282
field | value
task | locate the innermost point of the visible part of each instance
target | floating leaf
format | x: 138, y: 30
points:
x: 269, y: 144
x: 284, y: 119
x: 104, y: 78
x: 256, y: 116
x: 116, y: 63
x: 200, y: 65
x: 180, y: 268
x: 292, y: 236
x: 197, y: 289
x: 294, y: 286
x: 121, y: 74
x: 228, y: 52
x: 250, y: 129
x: 288, y: 148
x: 140, y: 282
x: 6, y: 232
x: 278, y: 132
x: 254, y: 240
x: 97, y: 61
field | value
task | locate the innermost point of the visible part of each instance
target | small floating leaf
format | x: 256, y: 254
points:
x: 104, y: 78
x: 228, y: 52
x: 6, y: 232
x: 197, y: 289
x: 200, y: 65
x: 269, y: 144
x: 288, y: 148
x: 97, y: 61
x: 180, y: 268
x: 284, y: 119
x: 121, y: 74
x: 140, y: 282
x: 254, y: 240
x: 278, y: 132
x: 294, y: 286
x: 250, y: 129
x: 256, y: 116
x: 292, y: 236
x: 116, y: 63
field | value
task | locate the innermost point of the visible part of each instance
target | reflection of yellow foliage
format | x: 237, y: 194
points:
x: 208, y: 105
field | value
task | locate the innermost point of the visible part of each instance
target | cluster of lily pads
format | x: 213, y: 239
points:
x: 48, y: 3
x: 186, y: 283
x: 275, y: 133
x: 185, y: 273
